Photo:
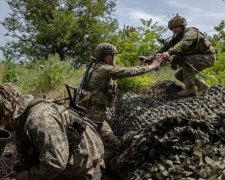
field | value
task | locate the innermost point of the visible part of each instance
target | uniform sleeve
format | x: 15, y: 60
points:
x: 49, y: 137
x: 121, y: 72
x: 183, y: 46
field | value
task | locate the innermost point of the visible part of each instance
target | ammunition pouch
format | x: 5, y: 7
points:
x: 75, y: 129
x: 113, y: 98
x: 112, y: 93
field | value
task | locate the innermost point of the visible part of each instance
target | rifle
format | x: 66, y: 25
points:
x: 167, y: 46
x: 83, y: 82
x: 76, y: 96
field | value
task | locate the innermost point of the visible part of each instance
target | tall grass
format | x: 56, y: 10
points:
x: 48, y: 77
x: 43, y: 77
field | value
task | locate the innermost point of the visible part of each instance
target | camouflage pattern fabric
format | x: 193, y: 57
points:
x: 196, y: 49
x: 95, y: 99
x: 46, y: 128
x: 177, y: 21
x: 190, y: 42
x: 8, y: 94
x: 97, y: 85
x: 201, y: 61
x: 94, y: 173
x: 108, y: 138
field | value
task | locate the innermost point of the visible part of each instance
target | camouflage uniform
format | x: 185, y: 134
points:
x: 45, y: 129
x: 194, y: 49
x: 97, y: 97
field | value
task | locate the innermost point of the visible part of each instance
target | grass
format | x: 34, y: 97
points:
x: 44, y: 78
x: 162, y: 74
x: 47, y: 78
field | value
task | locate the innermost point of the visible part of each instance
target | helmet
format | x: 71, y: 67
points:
x: 104, y: 48
x: 8, y: 94
x: 177, y: 21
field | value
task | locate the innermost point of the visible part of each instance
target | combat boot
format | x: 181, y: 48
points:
x: 188, y: 90
x: 202, y: 86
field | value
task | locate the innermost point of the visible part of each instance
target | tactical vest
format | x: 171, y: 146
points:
x: 200, y: 46
x: 110, y: 91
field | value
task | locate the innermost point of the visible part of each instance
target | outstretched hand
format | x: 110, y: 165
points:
x: 156, y: 62
x: 165, y: 55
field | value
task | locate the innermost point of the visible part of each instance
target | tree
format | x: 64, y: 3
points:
x: 132, y: 42
x: 137, y: 41
x: 71, y: 28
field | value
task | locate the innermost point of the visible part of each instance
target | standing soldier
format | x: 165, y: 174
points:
x: 54, y: 142
x: 100, y: 90
x: 190, y: 45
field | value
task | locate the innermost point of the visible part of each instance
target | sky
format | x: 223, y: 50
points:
x: 202, y: 14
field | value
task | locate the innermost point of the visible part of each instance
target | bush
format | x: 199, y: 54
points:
x: 10, y: 71
x: 133, y: 42
x: 216, y: 74
x: 134, y: 83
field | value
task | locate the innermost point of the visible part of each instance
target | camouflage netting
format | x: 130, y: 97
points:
x: 129, y: 112
x: 182, y: 139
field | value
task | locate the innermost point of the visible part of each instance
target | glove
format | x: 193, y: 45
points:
x: 174, y: 63
x: 179, y: 62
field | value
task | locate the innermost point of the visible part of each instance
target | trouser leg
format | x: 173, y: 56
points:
x: 109, y: 140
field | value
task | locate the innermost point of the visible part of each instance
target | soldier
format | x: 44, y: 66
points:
x: 100, y: 90
x: 190, y: 45
x: 53, y: 141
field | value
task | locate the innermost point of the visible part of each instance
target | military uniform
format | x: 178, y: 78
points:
x: 44, y: 136
x: 196, y: 50
x: 100, y: 92
x: 193, y: 47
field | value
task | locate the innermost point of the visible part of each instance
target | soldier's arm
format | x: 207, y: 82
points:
x: 184, y: 45
x: 49, y: 137
x: 121, y: 72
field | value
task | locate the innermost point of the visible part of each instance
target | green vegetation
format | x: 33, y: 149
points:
x: 216, y: 74
x: 42, y: 77
x: 70, y: 28
x: 46, y: 32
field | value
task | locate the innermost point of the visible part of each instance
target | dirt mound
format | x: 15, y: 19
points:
x: 182, y: 139
x: 165, y: 89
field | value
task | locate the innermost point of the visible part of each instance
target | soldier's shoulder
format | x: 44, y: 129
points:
x: 46, y: 115
x: 190, y: 30
x: 104, y: 66
x: 190, y: 33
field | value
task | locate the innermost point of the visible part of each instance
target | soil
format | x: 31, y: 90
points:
x: 6, y: 164
x: 164, y: 89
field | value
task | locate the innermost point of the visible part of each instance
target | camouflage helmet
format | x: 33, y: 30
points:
x: 177, y: 21
x: 104, y: 48
x: 8, y: 94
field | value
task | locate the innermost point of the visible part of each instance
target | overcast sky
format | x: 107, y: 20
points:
x: 203, y: 14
